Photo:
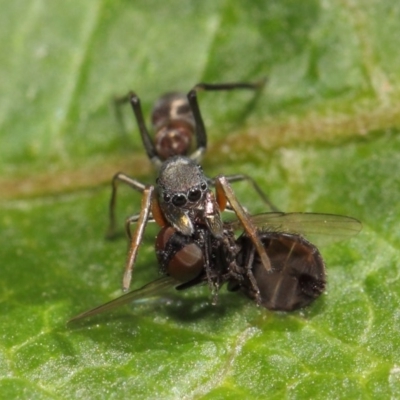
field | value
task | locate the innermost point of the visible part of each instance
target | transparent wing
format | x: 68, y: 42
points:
x: 324, y: 228
x: 151, y: 289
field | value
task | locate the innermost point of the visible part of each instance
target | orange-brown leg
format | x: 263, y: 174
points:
x: 224, y: 192
x: 137, y: 237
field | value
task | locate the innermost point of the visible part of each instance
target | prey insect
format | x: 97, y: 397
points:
x: 296, y: 278
x: 297, y: 273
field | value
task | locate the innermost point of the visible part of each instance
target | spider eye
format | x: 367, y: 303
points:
x: 166, y: 197
x: 203, y: 186
x: 179, y: 200
x: 194, y: 195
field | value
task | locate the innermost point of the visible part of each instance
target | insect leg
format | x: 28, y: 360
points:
x: 137, y: 237
x: 230, y: 85
x: 117, y: 102
x: 211, y: 278
x: 200, y: 130
x: 250, y: 275
x: 144, y: 133
x: 134, y: 184
x: 244, y: 177
x: 224, y: 194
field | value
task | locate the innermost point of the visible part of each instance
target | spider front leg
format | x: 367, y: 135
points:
x: 224, y: 194
x: 253, y: 183
x: 136, y: 239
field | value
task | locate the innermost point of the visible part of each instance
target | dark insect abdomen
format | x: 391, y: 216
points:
x: 298, y: 271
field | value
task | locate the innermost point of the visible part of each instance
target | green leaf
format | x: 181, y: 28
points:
x: 322, y: 137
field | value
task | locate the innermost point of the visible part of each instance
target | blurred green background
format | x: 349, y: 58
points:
x: 322, y: 137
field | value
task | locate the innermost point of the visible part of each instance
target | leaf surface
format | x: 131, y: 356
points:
x: 322, y: 137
